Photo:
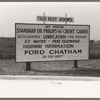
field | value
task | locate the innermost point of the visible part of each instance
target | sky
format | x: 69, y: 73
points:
x: 84, y: 13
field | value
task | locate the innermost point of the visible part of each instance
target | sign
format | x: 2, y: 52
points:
x: 49, y: 42
x: 54, y: 19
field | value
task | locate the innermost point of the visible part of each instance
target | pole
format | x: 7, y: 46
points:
x: 75, y: 61
x: 44, y: 17
x: 28, y: 66
x: 66, y: 18
x: 75, y: 64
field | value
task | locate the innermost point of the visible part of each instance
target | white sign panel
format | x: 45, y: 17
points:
x: 55, y: 19
x: 49, y: 42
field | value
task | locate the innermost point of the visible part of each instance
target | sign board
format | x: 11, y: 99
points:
x: 49, y: 42
x: 55, y: 19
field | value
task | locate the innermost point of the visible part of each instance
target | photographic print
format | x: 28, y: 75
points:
x: 50, y: 39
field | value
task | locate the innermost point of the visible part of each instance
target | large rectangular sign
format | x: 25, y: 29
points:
x: 49, y: 42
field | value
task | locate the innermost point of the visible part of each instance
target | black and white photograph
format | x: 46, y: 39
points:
x: 52, y: 41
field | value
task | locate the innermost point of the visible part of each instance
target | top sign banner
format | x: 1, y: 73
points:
x: 54, y: 19
x: 49, y: 42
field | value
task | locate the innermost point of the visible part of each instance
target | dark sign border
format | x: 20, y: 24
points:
x: 52, y: 24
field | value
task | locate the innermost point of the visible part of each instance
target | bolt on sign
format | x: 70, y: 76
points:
x: 49, y: 42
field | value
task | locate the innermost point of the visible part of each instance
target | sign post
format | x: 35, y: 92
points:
x: 28, y: 66
x: 75, y: 64
x: 44, y: 17
x: 75, y: 61
x: 66, y: 18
